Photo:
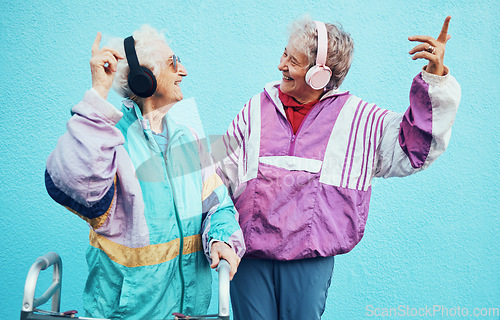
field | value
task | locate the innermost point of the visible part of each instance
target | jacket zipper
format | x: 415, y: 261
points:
x: 291, y: 149
x: 179, y: 226
x: 293, y: 138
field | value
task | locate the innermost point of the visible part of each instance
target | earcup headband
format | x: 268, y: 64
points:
x: 141, y: 80
x: 319, y: 75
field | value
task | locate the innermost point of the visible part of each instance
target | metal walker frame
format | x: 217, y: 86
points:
x: 29, y: 309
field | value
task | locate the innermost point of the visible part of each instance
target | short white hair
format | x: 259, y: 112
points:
x: 303, y: 37
x: 146, y: 40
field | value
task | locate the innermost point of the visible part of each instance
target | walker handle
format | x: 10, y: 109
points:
x: 223, y: 269
x: 54, y: 291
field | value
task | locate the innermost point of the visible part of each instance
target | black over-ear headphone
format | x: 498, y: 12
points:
x: 141, y: 80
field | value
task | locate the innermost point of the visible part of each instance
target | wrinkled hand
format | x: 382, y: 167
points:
x: 432, y: 49
x: 221, y: 250
x: 103, y: 67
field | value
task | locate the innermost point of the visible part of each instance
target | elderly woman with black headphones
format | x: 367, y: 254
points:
x: 300, y: 157
x: 155, y: 206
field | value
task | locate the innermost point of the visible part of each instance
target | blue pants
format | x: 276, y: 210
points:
x: 272, y: 289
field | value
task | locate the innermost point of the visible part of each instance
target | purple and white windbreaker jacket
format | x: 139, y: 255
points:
x: 307, y: 195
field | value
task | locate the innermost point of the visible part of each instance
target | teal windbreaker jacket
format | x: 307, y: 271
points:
x: 152, y: 216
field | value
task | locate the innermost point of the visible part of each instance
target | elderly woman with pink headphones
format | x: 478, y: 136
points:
x: 300, y: 157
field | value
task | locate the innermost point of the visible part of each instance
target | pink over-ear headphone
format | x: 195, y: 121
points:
x: 319, y: 75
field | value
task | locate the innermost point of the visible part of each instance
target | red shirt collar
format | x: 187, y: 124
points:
x: 289, y: 101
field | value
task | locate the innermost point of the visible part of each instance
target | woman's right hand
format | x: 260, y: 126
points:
x: 103, y: 67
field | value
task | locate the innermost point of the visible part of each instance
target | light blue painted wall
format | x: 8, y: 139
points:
x: 432, y: 239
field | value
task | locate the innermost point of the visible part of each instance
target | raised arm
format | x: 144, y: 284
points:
x: 411, y: 142
x: 81, y: 170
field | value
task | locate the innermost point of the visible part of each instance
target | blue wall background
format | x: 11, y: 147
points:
x: 432, y: 239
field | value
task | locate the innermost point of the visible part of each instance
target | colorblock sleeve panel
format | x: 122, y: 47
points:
x: 81, y: 171
x: 221, y: 222
x: 412, y: 141
x: 95, y: 215
x: 220, y: 218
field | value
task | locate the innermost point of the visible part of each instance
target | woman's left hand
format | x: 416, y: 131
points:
x: 221, y: 250
x: 432, y: 49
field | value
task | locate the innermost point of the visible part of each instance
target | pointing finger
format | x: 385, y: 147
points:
x: 97, y: 41
x: 444, y: 31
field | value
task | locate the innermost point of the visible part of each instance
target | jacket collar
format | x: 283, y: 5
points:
x: 272, y: 92
x: 174, y: 130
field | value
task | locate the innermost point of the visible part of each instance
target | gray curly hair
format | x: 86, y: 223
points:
x: 146, y: 39
x: 303, y: 37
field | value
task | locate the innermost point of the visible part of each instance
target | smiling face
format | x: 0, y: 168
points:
x: 168, y: 90
x: 294, y: 66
